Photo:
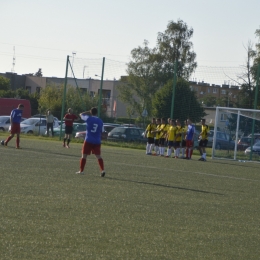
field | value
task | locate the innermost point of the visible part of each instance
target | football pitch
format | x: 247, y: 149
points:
x: 145, y: 207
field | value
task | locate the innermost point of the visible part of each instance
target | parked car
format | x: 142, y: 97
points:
x: 127, y: 134
x: 224, y: 142
x: 255, y: 149
x: 44, y: 116
x: 244, y: 142
x: 5, y: 122
x: 210, y: 138
x: 76, y: 127
x: 107, y: 128
x: 34, y: 126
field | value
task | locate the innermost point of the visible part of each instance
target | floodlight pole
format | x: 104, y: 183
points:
x: 101, y: 86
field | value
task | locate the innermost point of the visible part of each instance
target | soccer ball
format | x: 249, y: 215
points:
x: 2, y: 142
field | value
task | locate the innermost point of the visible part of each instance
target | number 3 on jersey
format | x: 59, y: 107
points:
x: 95, y: 126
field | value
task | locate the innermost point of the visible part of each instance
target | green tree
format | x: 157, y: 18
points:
x: 186, y: 104
x: 174, y: 44
x: 209, y: 101
x: 52, y: 98
x: 4, y: 84
x: 151, y: 68
x: 138, y: 87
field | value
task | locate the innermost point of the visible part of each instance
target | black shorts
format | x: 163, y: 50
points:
x: 177, y: 143
x: 68, y: 129
x: 162, y: 141
x: 203, y: 143
x: 156, y: 142
x: 183, y: 143
x: 150, y: 140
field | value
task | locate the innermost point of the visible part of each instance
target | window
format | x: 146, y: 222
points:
x: 235, y: 96
x: 83, y: 90
x: 191, y: 87
x: 223, y: 91
x: 29, y: 89
x: 208, y: 90
x: 196, y: 88
x: 38, y: 90
x: 92, y: 93
x: 215, y: 90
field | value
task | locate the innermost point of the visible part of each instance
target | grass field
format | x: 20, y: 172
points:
x: 146, y: 207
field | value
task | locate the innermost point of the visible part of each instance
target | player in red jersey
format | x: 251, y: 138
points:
x: 15, y: 120
x: 92, y: 143
x: 69, y: 118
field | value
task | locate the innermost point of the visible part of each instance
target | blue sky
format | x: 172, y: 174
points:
x: 45, y: 32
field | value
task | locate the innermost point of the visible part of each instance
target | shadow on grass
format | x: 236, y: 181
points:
x: 165, y: 186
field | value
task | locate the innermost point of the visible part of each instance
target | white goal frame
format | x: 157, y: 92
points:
x: 253, y: 114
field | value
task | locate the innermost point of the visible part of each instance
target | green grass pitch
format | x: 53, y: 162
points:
x: 146, y: 207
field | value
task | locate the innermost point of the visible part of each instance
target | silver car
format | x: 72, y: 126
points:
x: 5, y: 123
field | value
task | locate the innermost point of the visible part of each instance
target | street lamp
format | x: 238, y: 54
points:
x: 73, y: 54
x: 84, y: 70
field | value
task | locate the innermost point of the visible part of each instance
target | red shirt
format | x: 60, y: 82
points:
x: 70, y: 122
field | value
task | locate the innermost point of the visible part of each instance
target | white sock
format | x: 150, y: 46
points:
x: 183, y: 151
x: 169, y: 151
x: 147, y: 148
x: 163, y: 149
x: 178, y: 152
x: 204, y: 156
x: 151, y: 148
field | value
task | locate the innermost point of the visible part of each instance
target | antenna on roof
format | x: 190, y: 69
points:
x: 13, y: 61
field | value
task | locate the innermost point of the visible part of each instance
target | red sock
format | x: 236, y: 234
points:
x: 17, y: 141
x: 101, y: 164
x: 82, y: 164
x: 8, y: 139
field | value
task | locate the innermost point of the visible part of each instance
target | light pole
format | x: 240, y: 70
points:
x: 73, y: 54
x: 84, y: 70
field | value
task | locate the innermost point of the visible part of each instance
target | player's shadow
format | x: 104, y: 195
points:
x: 165, y: 186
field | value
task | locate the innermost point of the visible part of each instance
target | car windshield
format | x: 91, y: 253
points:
x: 30, y: 121
x: 257, y: 144
x: 118, y: 130
x: 3, y: 119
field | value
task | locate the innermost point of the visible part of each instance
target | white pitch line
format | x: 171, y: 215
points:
x: 200, y: 173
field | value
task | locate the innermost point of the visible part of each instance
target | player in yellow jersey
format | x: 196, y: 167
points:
x: 203, y: 139
x: 178, y: 138
x: 171, y: 135
x: 183, y: 142
x: 162, y: 136
x: 150, y: 136
x: 156, y: 132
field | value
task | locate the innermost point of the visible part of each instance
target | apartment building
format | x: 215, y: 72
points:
x: 203, y: 89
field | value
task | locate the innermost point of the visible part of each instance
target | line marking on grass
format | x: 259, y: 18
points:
x: 200, y: 173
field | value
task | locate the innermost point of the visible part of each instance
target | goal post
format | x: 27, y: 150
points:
x: 236, y: 134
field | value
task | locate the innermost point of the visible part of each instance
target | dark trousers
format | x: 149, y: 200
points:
x: 49, y: 125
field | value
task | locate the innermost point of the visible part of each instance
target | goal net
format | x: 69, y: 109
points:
x: 236, y: 134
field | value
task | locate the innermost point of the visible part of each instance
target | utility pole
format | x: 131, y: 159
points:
x: 73, y: 54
